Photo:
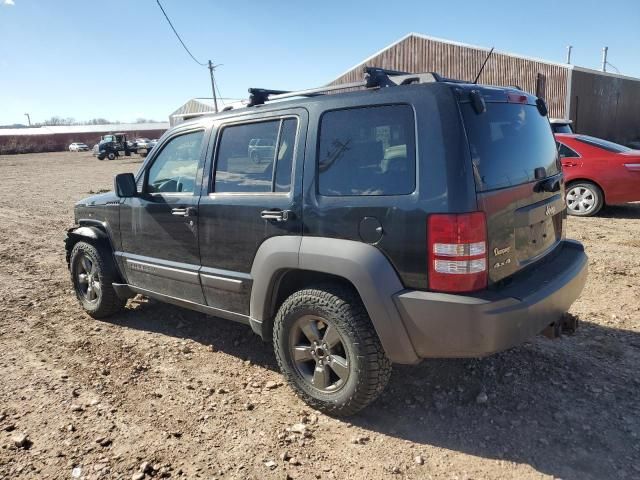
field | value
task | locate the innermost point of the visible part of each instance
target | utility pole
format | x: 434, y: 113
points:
x: 569, y: 48
x: 604, y: 58
x: 28, y: 118
x: 213, y: 86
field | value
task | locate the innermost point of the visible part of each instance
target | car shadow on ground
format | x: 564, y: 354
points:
x: 567, y: 408
x: 630, y: 210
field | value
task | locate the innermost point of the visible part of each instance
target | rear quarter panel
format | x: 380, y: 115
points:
x: 444, y: 181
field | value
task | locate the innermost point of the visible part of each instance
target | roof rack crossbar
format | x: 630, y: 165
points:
x: 374, y: 77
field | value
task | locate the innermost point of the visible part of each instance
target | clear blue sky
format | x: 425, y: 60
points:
x: 119, y: 59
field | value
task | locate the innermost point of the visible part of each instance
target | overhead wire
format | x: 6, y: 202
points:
x: 178, y: 36
x: 187, y: 48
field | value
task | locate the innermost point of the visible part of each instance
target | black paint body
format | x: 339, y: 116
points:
x: 206, y: 258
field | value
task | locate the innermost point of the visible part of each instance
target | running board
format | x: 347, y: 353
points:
x: 126, y: 291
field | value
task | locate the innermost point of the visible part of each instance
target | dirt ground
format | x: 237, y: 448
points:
x: 164, y: 392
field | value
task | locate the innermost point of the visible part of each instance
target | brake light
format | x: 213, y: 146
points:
x: 457, y: 246
x: 516, y: 98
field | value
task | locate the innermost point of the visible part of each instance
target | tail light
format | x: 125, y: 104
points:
x: 457, y: 246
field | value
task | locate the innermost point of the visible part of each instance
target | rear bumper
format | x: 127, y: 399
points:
x: 444, y: 325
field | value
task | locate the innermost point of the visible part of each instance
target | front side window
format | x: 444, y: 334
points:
x: 174, y: 169
x: 256, y: 157
x: 367, y: 151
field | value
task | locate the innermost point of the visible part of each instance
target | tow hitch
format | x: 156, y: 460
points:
x: 568, y: 325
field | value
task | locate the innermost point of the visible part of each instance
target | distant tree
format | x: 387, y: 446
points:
x: 146, y: 120
x: 97, y: 121
x: 57, y: 121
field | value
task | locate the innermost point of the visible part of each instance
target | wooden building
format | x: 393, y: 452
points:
x: 601, y: 104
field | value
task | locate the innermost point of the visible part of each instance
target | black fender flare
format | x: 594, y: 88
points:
x: 85, y: 232
x: 361, y: 264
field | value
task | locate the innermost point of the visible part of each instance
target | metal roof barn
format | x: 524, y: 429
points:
x: 602, y: 104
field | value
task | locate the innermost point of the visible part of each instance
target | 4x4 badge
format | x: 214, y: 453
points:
x: 550, y: 210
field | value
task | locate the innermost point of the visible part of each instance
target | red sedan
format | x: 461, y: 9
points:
x: 597, y: 172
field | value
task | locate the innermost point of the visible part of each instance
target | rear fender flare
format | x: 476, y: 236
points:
x: 361, y: 264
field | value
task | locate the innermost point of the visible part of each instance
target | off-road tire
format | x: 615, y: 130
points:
x: 108, y: 302
x: 111, y: 156
x: 101, y: 156
x: 596, y: 193
x: 369, y: 368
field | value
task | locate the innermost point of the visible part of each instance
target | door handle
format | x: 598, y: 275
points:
x: 184, y: 212
x: 277, y: 215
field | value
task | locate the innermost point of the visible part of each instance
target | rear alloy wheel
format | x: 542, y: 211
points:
x: 111, y: 156
x: 584, y: 199
x: 318, y: 353
x: 328, y: 350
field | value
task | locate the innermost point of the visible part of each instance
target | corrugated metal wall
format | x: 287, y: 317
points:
x: 417, y: 54
x: 605, y: 106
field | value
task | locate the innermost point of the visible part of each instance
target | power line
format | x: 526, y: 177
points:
x: 177, y: 35
x: 614, y: 67
x: 209, y: 64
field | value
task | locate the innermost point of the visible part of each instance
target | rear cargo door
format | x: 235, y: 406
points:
x: 518, y: 181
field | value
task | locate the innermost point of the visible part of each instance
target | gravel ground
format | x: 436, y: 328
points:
x: 158, y: 391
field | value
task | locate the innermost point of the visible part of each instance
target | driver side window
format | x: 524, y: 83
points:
x: 174, y: 169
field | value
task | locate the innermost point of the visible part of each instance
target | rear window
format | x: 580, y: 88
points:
x: 367, y: 151
x: 561, y: 128
x: 604, y: 144
x: 508, y: 143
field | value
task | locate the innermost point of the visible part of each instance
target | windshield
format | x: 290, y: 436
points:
x: 604, y: 144
x: 508, y: 143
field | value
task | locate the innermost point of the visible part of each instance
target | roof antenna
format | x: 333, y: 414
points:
x: 483, y: 64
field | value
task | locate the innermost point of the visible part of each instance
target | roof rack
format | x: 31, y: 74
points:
x: 374, y: 77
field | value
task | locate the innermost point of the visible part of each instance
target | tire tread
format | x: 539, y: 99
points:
x: 345, y: 304
x: 109, y: 303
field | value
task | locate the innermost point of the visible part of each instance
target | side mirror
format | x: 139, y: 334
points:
x: 124, y: 184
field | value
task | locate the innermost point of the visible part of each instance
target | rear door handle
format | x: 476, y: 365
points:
x: 275, y: 214
x: 184, y: 212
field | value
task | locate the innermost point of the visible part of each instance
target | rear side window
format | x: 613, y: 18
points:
x: 508, y: 143
x: 566, y: 152
x: 367, y: 151
x: 256, y: 157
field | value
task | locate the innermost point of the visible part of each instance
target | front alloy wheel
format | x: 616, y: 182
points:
x: 87, y: 279
x: 93, y: 273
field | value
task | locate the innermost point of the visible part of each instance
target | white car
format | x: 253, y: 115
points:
x: 78, y: 147
x: 142, y: 142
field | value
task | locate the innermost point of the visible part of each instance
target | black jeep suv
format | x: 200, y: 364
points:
x: 414, y: 217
